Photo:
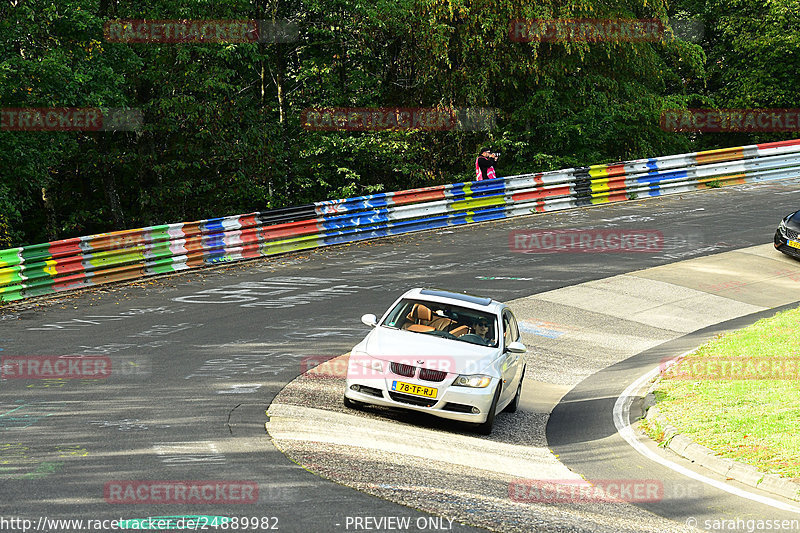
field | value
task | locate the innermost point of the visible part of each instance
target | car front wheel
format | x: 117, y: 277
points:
x: 351, y: 404
x: 486, y: 427
x: 512, y: 407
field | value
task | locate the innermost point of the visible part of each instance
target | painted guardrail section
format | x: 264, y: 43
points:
x: 83, y: 261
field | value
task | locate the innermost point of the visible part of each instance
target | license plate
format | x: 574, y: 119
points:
x: 416, y: 390
x: 793, y: 244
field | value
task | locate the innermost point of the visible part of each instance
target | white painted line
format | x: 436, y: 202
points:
x: 622, y: 422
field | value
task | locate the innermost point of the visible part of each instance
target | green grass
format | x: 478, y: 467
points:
x: 755, y: 421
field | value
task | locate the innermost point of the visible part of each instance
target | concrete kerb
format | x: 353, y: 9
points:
x: 707, y: 458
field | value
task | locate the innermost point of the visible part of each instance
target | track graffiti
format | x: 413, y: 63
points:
x: 178, y: 453
x: 20, y: 461
x: 275, y: 293
x: 95, y: 320
x: 127, y: 424
x: 26, y: 415
x: 263, y: 364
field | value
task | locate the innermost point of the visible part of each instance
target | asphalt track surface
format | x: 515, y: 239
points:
x: 197, y: 357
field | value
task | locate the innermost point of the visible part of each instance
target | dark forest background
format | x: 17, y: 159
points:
x: 222, y: 133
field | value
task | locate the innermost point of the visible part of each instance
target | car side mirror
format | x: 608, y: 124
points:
x: 516, y: 347
x: 370, y: 320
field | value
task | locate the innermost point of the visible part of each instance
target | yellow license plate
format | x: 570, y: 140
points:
x: 416, y: 390
x: 793, y: 244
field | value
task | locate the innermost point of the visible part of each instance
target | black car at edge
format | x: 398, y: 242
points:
x: 787, y: 236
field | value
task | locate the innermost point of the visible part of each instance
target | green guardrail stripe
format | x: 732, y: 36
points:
x: 10, y: 257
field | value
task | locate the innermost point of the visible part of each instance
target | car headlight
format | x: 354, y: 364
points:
x: 474, y: 381
x: 782, y: 229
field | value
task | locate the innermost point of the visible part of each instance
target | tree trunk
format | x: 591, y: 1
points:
x: 109, y: 182
x: 276, y: 14
x: 50, y: 229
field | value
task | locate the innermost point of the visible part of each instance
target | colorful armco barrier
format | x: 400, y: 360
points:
x: 84, y: 261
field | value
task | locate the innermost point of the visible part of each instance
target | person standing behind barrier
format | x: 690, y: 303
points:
x: 484, y: 165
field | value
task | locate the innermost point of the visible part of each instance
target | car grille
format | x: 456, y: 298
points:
x: 431, y: 375
x: 404, y: 370
x: 792, y: 234
x: 413, y: 400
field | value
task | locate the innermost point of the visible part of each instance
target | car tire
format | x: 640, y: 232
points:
x: 351, y: 404
x: 486, y: 427
x: 512, y: 407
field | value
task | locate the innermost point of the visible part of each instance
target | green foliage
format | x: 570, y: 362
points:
x: 222, y: 127
x: 753, y: 56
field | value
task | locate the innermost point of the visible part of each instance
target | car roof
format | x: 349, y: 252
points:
x: 442, y: 296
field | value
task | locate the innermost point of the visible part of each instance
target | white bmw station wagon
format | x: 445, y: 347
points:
x: 451, y: 355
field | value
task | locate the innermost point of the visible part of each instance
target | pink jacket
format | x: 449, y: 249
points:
x: 479, y: 175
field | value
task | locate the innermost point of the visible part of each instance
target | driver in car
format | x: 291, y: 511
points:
x: 482, y: 329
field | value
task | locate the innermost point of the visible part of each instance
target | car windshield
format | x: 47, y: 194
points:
x: 444, y: 320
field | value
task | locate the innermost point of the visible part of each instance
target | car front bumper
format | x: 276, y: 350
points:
x: 450, y: 403
x: 781, y: 243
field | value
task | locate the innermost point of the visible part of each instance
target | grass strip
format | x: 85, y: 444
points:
x: 739, y: 395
